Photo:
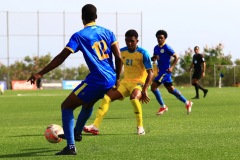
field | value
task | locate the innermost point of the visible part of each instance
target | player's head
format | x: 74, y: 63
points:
x: 131, y: 39
x: 161, y: 36
x: 89, y: 13
x: 196, y: 49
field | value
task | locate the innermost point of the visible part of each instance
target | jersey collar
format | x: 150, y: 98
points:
x: 90, y: 24
x: 162, y: 44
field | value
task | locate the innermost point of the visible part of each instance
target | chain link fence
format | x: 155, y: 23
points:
x: 39, y: 33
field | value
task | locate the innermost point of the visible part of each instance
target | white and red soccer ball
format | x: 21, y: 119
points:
x: 52, y: 132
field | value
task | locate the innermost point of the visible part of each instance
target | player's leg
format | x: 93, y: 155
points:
x: 154, y: 88
x: 135, y: 96
x: 110, y: 96
x: 178, y: 95
x: 195, y: 84
x: 68, y: 106
x: 83, y: 116
x: 75, y: 99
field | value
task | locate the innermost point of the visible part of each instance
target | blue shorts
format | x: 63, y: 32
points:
x: 163, y: 78
x: 89, y: 93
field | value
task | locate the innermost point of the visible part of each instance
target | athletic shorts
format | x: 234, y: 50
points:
x: 89, y: 93
x: 126, y: 88
x: 197, y: 75
x: 164, y: 78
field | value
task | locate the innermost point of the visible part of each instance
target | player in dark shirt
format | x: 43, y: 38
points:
x: 199, y: 65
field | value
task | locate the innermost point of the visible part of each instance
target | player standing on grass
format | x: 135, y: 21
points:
x: 97, y: 45
x: 138, y: 75
x: 199, y: 65
x: 163, y: 53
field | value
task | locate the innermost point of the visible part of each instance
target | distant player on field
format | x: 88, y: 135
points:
x: 98, y: 46
x: 1, y: 88
x: 199, y: 65
x: 138, y: 75
x: 162, y: 54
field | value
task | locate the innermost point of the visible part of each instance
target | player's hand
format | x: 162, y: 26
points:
x: 117, y: 83
x: 203, y: 74
x: 154, y: 58
x: 145, y: 98
x: 33, y: 78
x: 169, y: 70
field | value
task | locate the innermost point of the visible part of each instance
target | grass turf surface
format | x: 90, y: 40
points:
x: 211, y: 131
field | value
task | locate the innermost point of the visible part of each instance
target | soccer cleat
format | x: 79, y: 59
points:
x: 77, y: 136
x: 205, y: 92
x: 162, y: 110
x: 189, y: 107
x: 197, y: 97
x: 91, y: 129
x: 140, y: 131
x: 67, y: 151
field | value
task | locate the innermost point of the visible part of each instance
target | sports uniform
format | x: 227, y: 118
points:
x: 197, y: 61
x: 135, y: 66
x: 95, y: 44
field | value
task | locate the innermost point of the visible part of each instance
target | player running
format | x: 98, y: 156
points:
x: 163, y: 53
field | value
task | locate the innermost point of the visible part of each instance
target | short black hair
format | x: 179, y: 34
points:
x: 196, y: 47
x: 89, y: 13
x: 131, y: 33
x: 162, y: 32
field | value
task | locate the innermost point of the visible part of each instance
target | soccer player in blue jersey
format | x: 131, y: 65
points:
x: 138, y: 75
x: 199, y: 65
x: 163, y: 54
x: 97, y: 45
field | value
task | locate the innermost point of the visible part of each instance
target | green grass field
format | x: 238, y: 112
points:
x: 210, y: 132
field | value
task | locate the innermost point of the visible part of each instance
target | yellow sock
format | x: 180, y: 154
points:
x: 137, y: 109
x: 102, y: 110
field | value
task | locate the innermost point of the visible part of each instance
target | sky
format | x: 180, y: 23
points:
x: 188, y: 22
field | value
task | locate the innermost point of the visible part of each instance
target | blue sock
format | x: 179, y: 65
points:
x: 68, y: 125
x: 83, y: 116
x: 179, y: 96
x: 158, y: 97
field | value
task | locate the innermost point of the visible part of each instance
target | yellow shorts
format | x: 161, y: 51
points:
x: 126, y: 88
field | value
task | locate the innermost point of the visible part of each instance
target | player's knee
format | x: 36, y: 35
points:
x: 170, y: 91
x: 153, y: 89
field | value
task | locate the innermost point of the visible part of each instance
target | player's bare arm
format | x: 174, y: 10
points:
x: 204, y: 69
x: 176, y: 58
x: 118, y: 61
x: 58, y: 60
x: 145, y: 98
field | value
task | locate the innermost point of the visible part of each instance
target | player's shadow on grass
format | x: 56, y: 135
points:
x: 28, y: 153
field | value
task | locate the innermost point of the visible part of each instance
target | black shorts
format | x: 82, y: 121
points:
x: 197, y: 75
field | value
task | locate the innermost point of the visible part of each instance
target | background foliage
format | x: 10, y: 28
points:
x: 21, y: 70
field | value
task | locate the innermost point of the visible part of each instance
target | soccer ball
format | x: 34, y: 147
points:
x: 52, y: 132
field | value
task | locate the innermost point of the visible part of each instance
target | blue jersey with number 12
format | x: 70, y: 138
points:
x: 95, y: 43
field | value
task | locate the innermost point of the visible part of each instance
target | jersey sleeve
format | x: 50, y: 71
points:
x: 170, y: 50
x: 147, y: 60
x: 73, y: 44
x: 202, y: 58
x: 155, y: 51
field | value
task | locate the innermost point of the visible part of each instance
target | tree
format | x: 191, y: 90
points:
x: 237, y: 62
x: 3, y: 72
